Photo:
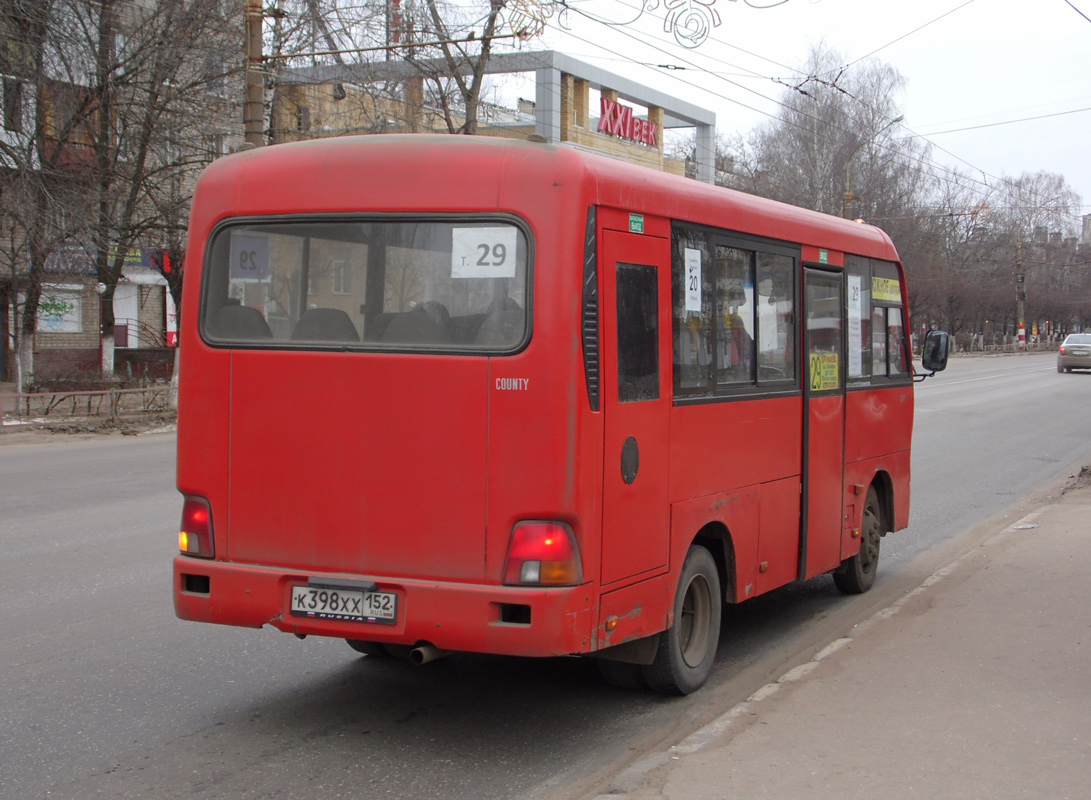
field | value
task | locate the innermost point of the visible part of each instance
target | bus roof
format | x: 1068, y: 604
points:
x: 327, y: 175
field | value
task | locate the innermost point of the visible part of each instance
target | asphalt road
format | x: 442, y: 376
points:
x: 105, y: 693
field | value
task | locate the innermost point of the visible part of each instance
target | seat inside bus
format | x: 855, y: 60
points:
x: 419, y: 325
x: 325, y: 325
x: 241, y: 322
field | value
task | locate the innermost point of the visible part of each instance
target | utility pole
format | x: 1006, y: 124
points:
x: 253, y: 116
x: 1020, y: 296
x: 849, y: 199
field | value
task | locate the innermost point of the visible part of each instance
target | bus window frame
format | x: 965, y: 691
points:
x: 367, y: 347
x: 739, y: 240
x: 871, y: 380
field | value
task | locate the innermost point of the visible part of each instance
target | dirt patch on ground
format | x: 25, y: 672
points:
x: 86, y: 427
x: 1080, y: 481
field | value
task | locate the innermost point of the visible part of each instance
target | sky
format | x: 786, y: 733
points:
x: 972, y: 69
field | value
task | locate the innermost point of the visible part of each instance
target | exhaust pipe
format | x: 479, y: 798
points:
x: 425, y: 653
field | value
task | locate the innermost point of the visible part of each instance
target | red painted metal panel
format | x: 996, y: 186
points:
x: 892, y: 472
x: 825, y: 477
x: 778, y: 548
x: 727, y: 445
x: 369, y: 476
x: 452, y: 616
x: 881, y: 422
x: 738, y: 514
x: 634, y: 612
x: 635, y: 516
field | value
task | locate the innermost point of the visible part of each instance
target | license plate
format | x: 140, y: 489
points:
x: 323, y: 602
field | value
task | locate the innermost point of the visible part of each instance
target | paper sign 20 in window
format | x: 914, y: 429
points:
x: 483, y: 252
x: 693, y: 281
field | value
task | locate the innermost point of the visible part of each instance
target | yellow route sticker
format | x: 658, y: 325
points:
x: 825, y: 374
x: 886, y: 290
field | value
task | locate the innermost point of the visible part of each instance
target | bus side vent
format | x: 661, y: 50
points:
x: 590, y: 320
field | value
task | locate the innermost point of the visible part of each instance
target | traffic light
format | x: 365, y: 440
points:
x: 161, y: 261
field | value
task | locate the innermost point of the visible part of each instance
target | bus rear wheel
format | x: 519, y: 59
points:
x: 688, y: 648
x: 857, y: 573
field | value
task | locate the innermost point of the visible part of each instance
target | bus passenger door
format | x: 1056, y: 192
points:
x: 824, y: 390
x: 636, y: 398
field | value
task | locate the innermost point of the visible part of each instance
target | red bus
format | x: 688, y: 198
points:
x: 444, y: 393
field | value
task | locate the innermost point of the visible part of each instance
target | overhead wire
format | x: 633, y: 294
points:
x: 910, y: 33
x: 1011, y: 121
x: 999, y: 183
x: 628, y: 34
x: 1077, y: 10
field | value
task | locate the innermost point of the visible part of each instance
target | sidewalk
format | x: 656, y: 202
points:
x: 975, y: 685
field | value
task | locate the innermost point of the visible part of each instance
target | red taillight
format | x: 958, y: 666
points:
x: 195, y: 538
x: 1062, y: 350
x: 543, y: 554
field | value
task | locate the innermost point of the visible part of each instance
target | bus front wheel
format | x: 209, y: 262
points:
x: 857, y: 573
x: 688, y: 648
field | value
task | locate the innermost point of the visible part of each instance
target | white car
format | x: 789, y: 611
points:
x: 1075, y: 352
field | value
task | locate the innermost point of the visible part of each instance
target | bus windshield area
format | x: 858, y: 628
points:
x: 446, y: 284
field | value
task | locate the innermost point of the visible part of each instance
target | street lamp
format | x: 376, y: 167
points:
x: 846, y: 207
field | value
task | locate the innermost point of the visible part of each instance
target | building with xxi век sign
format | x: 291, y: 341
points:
x: 574, y: 104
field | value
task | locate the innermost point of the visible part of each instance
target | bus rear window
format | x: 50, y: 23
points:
x: 426, y: 284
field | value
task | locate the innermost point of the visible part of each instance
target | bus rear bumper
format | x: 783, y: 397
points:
x: 479, y: 618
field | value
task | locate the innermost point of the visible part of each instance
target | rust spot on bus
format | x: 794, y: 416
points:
x: 605, y: 630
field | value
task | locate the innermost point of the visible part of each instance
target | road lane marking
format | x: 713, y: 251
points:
x: 987, y: 377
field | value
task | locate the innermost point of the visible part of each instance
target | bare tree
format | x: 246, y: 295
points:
x: 150, y: 85
x: 836, y: 134
x: 125, y: 97
x: 447, y: 44
x: 40, y: 197
x: 464, y: 62
x: 983, y: 250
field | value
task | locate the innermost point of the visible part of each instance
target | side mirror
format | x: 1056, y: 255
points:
x: 934, y: 357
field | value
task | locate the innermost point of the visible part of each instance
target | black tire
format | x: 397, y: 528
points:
x: 1060, y: 368
x: 367, y: 648
x: 688, y: 648
x: 621, y: 675
x: 857, y: 573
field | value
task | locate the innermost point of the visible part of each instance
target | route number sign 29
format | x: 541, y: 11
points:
x: 483, y: 252
x: 249, y: 257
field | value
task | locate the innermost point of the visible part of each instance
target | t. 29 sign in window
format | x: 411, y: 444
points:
x: 484, y: 252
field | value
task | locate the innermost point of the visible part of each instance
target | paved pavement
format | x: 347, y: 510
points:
x: 977, y: 684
